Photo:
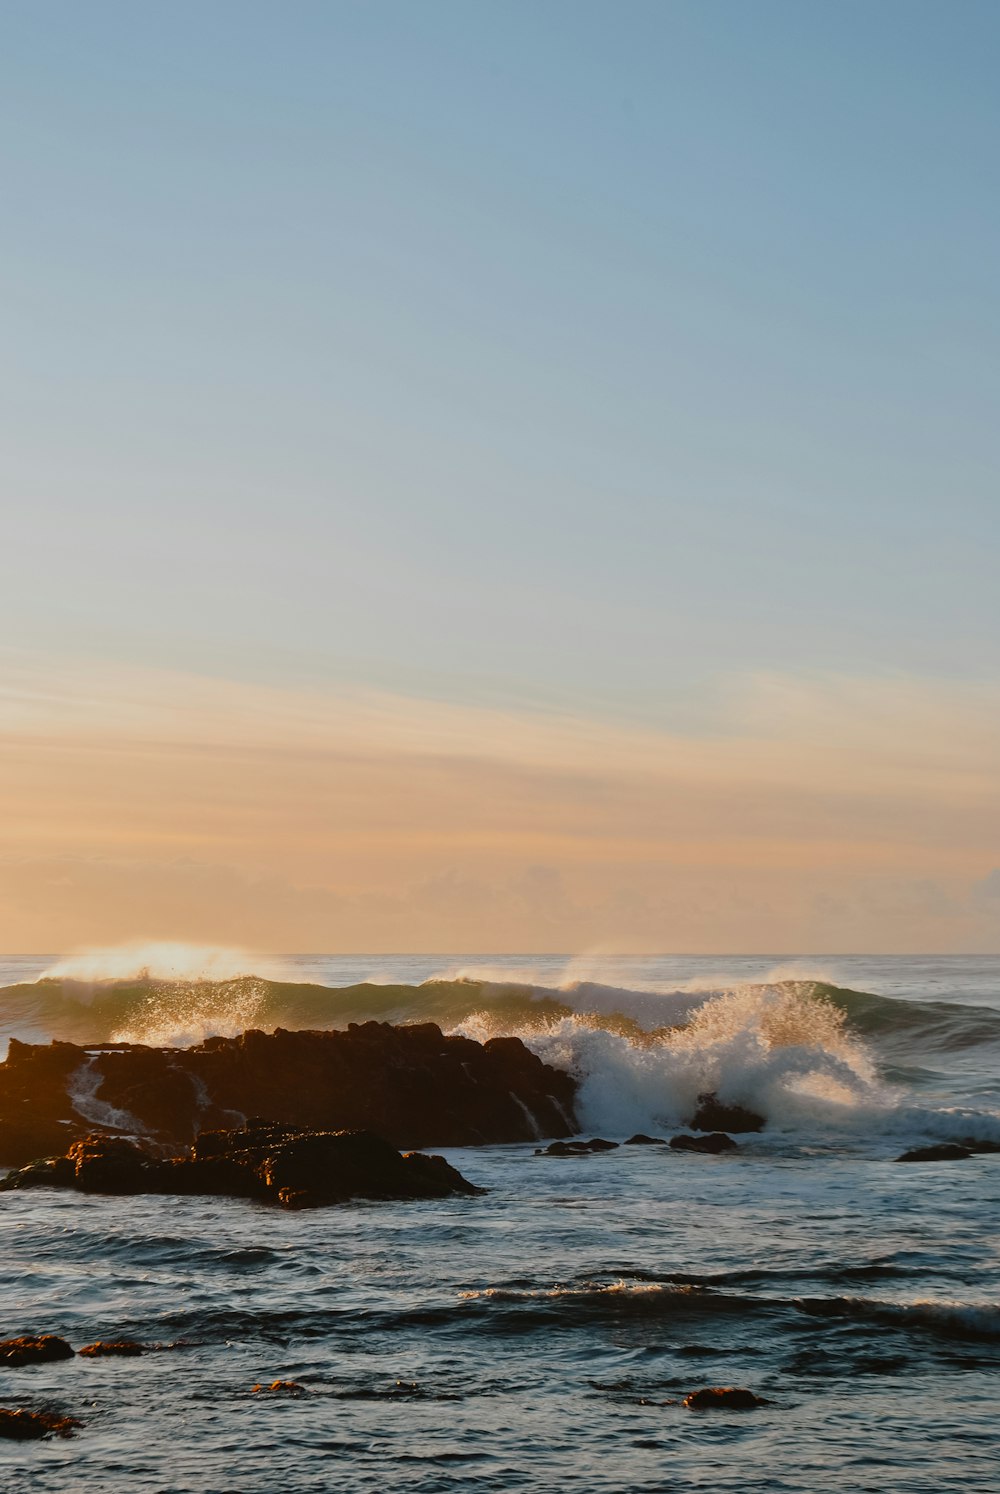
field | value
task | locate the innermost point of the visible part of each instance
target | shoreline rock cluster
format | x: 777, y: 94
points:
x: 410, y: 1084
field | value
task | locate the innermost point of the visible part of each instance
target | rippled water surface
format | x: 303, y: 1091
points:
x: 541, y: 1337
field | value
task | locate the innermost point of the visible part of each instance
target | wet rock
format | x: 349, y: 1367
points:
x: 640, y: 1140
x: 43, y: 1349
x: 410, y: 1084
x: 106, y: 1347
x: 576, y: 1148
x: 280, y: 1387
x: 280, y: 1164
x: 722, y: 1398
x: 109, y: 1164
x: 947, y: 1151
x: 713, y: 1114
x: 715, y: 1142
x: 25, y: 1426
x: 975, y: 1145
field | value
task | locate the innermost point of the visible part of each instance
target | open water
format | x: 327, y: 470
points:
x: 541, y: 1337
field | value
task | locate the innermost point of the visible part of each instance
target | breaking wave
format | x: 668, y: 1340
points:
x: 809, y: 1056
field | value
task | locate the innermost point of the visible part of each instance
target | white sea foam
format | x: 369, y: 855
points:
x: 777, y: 1050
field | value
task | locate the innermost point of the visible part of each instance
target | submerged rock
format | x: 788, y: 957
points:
x: 945, y: 1151
x: 722, y: 1398
x: 280, y: 1387
x: 107, y: 1347
x: 576, y: 1148
x: 410, y: 1084
x: 25, y: 1426
x: 640, y: 1140
x: 713, y: 1114
x: 714, y: 1143
x: 43, y: 1349
x: 298, y: 1169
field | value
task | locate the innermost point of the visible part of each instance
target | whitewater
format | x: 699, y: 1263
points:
x: 543, y: 1336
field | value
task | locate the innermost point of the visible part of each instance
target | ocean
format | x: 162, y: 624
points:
x: 543, y: 1335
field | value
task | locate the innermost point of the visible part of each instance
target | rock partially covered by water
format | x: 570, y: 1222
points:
x: 715, y: 1142
x: 31, y: 1426
x: 112, y: 1348
x: 410, y: 1084
x: 43, y: 1349
x: 945, y: 1151
x: 714, y: 1114
x: 576, y: 1148
x: 723, y: 1398
x: 266, y: 1161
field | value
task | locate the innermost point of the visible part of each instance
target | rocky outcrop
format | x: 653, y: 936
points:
x: 43, y: 1349
x: 25, y: 1426
x: 265, y: 1161
x: 410, y: 1084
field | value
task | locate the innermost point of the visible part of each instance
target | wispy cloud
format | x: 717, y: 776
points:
x: 806, y: 790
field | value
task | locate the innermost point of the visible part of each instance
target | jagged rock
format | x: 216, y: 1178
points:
x: 106, y: 1347
x: 281, y: 1387
x: 713, y: 1114
x: 298, y: 1169
x: 722, y: 1398
x: 640, y: 1140
x: 40, y: 1350
x: 410, y: 1084
x: 24, y: 1426
x: 946, y: 1151
x: 715, y: 1142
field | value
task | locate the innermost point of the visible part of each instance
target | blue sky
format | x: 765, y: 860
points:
x: 559, y: 439
x: 561, y: 350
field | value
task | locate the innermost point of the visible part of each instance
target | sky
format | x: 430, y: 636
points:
x: 483, y: 477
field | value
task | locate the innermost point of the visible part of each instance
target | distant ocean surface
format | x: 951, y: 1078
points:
x: 541, y: 1337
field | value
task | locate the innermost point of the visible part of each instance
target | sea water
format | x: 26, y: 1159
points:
x: 543, y: 1336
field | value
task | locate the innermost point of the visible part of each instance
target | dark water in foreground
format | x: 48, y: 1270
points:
x: 541, y: 1337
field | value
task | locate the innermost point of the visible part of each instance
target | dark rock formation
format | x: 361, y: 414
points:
x: 640, y: 1140
x: 715, y: 1142
x: 273, y: 1163
x: 722, y: 1398
x: 576, y: 1148
x: 410, y: 1084
x: 24, y: 1426
x: 946, y: 1151
x: 105, y: 1348
x: 41, y: 1350
x: 713, y: 1115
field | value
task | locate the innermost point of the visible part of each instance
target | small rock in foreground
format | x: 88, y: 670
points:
x: 42, y: 1349
x: 947, y: 1151
x: 280, y: 1387
x: 715, y: 1142
x: 28, y: 1426
x: 722, y: 1398
x: 639, y: 1139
